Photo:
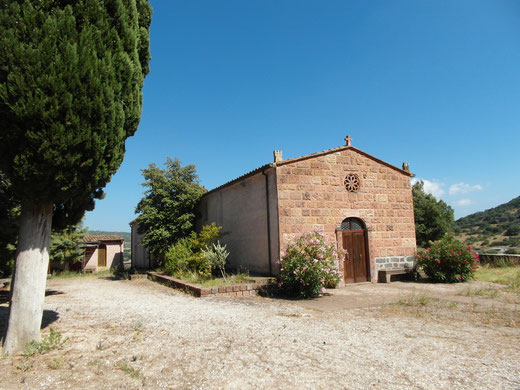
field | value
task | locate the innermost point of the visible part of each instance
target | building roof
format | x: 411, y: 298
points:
x: 90, y: 238
x: 339, y: 149
x: 242, y: 177
x: 263, y: 168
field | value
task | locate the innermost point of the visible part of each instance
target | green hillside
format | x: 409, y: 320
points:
x: 496, y: 227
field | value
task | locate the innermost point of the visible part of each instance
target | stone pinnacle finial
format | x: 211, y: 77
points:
x: 348, y: 140
x: 277, y: 155
x: 406, y: 167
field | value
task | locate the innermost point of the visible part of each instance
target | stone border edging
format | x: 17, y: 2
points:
x: 236, y: 290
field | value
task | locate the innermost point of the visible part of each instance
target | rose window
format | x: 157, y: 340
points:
x: 351, y: 182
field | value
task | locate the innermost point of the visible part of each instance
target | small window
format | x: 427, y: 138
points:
x: 352, y: 224
x: 352, y: 182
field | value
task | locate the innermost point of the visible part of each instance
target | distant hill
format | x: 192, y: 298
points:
x: 496, y: 227
x: 126, y: 236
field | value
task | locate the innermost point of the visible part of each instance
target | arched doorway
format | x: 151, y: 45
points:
x: 355, y: 266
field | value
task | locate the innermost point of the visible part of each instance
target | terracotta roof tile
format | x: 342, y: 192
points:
x: 96, y: 238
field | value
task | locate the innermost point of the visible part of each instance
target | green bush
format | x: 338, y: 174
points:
x: 217, y: 256
x: 448, y: 260
x: 198, y: 264
x: 308, y: 266
x: 186, y: 255
x: 176, y: 258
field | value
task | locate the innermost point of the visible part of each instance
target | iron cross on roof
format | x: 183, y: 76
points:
x: 348, y: 140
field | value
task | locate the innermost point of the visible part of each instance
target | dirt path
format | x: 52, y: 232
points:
x: 137, y: 334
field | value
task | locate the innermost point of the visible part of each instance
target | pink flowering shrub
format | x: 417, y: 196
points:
x: 308, y: 266
x: 448, y: 260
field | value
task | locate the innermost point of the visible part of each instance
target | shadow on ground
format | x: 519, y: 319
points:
x: 49, y: 316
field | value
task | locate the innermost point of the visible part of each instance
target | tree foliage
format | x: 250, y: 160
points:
x: 71, y: 74
x: 433, y: 218
x: 167, y: 211
x: 65, y: 245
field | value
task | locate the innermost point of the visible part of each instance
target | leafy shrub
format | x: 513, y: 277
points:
x: 54, y: 340
x: 308, y: 267
x: 208, y: 235
x: 176, y: 258
x: 217, y: 256
x: 186, y: 255
x: 448, y: 260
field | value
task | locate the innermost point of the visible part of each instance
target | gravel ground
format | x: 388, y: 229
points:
x: 138, y: 334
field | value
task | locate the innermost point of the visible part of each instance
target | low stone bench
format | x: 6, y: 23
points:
x: 384, y: 275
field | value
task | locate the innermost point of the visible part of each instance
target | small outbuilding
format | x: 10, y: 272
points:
x: 101, y: 252
x: 361, y: 203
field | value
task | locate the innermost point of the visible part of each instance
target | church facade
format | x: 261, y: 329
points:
x: 362, y: 204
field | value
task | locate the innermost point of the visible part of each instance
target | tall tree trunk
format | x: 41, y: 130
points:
x: 30, y: 277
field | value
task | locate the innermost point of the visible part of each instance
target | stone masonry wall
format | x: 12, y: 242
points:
x: 312, y: 196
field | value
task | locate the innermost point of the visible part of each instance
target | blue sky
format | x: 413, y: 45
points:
x: 433, y: 83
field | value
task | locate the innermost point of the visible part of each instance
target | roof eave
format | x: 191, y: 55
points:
x: 254, y: 172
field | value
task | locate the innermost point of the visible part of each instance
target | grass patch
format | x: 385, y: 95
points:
x: 138, y: 331
x: 510, y: 276
x: 55, y: 363
x: 50, y: 342
x: 239, y: 278
x: 134, y: 373
x: 53, y: 341
x: 414, y: 301
x: 490, y: 292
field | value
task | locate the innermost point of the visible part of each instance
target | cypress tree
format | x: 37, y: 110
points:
x: 71, y: 74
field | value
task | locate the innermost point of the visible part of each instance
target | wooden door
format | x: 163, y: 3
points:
x: 102, y: 256
x: 355, y: 265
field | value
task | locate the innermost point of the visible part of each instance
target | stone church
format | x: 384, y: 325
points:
x: 359, y: 202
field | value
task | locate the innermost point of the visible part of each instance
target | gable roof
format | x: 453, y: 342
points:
x: 305, y: 157
x: 339, y: 149
x: 93, y: 238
